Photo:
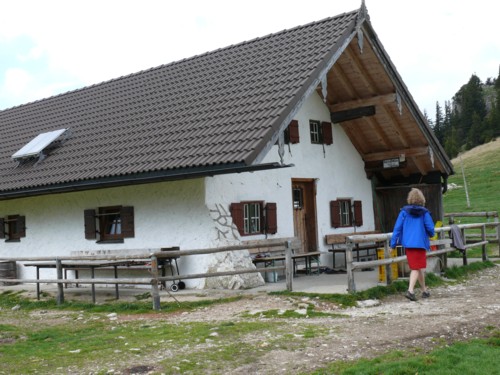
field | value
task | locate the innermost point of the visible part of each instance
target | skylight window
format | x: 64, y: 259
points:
x: 36, y: 146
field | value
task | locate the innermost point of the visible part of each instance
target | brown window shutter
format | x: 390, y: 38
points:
x: 127, y: 217
x: 271, y: 218
x: 326, y: 130
x: 358, y: 213
x: 2, y: 228
x: 90, y: 228
x: 293, y: 131
x: 335, y: 213
x: 21, y: 226
x: 237, y: 215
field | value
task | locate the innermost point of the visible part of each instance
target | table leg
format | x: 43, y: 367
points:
x: 92, y: 274
x: 117, y: 293
x: 38, y: 283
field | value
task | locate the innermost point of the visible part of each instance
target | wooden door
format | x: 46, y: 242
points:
x: 304, y: 213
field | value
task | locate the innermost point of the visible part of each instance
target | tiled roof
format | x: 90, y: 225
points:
x: 219, y: 108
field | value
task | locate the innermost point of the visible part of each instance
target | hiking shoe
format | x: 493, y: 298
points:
x: 426, y: 294
x: 410, y: 296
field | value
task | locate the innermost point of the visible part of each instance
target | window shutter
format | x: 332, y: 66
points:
x: 237, y: 215
x: 127, y: 217
x: 326, y: 130
x: 358, y: 213
x: 2, y: 228
x: 90, y: 228
x: 293, y: 131
x: 21, y: 226
x: 271, y: 218
x: 335, y: 213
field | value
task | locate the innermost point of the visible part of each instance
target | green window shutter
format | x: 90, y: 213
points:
x: 335, y: 214
x: 2, y: 228
x: 237, y: 215
x: 90, y: 227
x: 127, y: 218
x: 358, y: 213
x: 271, y: 218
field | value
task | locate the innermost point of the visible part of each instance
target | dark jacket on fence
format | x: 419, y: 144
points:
x: 456, y: 237
x: 413, y: 228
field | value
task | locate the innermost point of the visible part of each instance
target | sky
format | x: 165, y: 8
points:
x: 53, y: 46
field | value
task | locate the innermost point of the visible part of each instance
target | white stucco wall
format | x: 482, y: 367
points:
x: 165, y: 214
x: 339, y: 173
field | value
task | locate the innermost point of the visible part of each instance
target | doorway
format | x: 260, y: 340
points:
x: 304, y: 213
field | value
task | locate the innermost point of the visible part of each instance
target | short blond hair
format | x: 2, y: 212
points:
x: 416, y: 197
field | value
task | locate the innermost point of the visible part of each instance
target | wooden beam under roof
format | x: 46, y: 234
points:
x: 374, y: 100
x: 407, y: 152
x: 352, y: 114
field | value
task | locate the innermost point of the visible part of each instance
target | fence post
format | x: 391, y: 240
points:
x: 351, y: 286
x: 464, y: 255
x: 388, y: 267
x: 60, y: 289
x: 289, y: 266
x: 498, y: 234
x: 154, y: 283
x: 483, y: 247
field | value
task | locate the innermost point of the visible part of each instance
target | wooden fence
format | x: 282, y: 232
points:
x: 471, y: 237
x: 443, y: 245
x: 153, y: 256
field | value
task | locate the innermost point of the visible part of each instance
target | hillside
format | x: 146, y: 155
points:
x: 481, y: 166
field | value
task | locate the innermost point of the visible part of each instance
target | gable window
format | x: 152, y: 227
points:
x: 346, y: 213
x: 321, y: 132
x: 254, y: 217
x: 13, y: 228
x: 109, y: 224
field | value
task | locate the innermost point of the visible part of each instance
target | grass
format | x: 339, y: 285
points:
x: 42, y: 337
x: 479, y: 356
x: 481, y: 167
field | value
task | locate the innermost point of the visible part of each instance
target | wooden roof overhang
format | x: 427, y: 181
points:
x: 367, y: 97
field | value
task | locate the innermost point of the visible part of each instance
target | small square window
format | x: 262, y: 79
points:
x: 252, y: 217
x: 345, y: 213
x: 315, y: 129
x: 109, y: 224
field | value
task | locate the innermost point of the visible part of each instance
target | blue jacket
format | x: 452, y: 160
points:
x: 413, y: 228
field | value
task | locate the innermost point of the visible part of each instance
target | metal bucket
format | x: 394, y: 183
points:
x: 8, y: 270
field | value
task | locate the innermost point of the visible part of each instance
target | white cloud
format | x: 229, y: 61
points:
x: 435, y: 45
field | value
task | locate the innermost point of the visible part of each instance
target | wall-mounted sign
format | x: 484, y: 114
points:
x: 391, y: 163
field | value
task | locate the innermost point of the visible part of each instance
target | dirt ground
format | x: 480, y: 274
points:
x: 455, y: 312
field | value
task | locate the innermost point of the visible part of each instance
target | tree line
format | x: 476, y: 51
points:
x: 471, y: 118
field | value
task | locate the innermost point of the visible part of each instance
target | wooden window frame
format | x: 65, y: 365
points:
x: 244, y: 216
x: 346, y: 212
x: 110, y: 224
x: 315, y: 132
x: 13, y: 228
x: 321, y: 132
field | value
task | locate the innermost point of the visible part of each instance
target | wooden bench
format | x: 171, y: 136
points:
x: 269, y: 256
x: 338, y: 245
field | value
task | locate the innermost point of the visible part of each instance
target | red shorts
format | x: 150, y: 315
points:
x: 417, y: 258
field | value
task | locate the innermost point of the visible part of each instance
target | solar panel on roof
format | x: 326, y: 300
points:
x: 37, y: 144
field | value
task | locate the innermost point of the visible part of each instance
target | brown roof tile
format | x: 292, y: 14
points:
x: 219, y: 108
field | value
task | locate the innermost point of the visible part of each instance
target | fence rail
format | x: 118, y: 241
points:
x: 353, y: 240
x: 152, y: 256
x: 155, y: 255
